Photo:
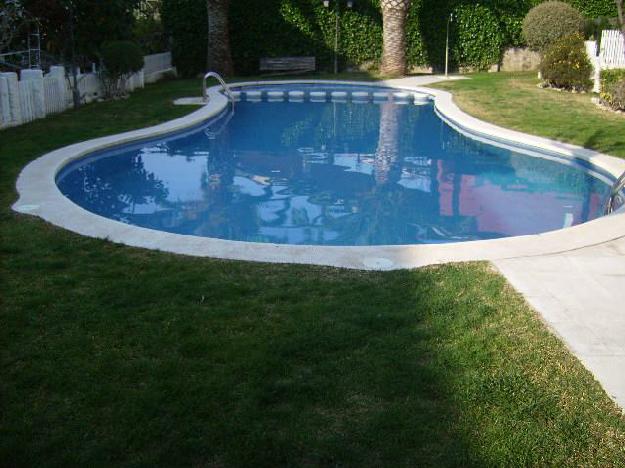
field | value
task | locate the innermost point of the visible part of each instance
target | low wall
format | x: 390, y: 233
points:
x: 34, y: 95
x: 518, y: 59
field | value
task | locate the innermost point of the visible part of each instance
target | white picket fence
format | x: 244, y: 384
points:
x: 33, y: 95
x: 611, y: 54
x: 156, y: 66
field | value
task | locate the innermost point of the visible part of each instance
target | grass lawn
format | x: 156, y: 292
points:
x: 114, y: 356
x: 514, y: 101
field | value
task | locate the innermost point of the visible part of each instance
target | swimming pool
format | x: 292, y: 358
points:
x: 333, y: 171
x: 398, y: 179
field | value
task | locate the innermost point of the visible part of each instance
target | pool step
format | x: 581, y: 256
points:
x: 295, y: 95
x: 318, y: 96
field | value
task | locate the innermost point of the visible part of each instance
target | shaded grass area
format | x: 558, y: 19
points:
x: 514, y: 101
x: 118, y: 356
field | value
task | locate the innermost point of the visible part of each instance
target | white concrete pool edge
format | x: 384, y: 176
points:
x: 40, y: 196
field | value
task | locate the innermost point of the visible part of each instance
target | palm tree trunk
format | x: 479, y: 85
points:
x: 620, y: 9
x: 621, y: 14
x: 394, y: 14
x: 219, y: 58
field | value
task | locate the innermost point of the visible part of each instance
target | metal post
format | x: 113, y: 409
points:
x: 336, y: 39
x: 447, y: 49
x: 337, y: 13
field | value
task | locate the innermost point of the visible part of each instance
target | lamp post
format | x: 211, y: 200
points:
x: 449, y: 21
x: 349, y: 4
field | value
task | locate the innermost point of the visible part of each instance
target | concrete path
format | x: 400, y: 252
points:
x: 581, y: 296
x: 423, y: 80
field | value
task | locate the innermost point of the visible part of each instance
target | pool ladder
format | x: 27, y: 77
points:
x: 616, y: 195
x: 217, y: 76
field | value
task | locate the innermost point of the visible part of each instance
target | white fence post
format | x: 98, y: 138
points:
x: 55, y: 90
x: 591, y: 51
x: 5, y: 109
x: 13, y: 99
x: 34, y: 92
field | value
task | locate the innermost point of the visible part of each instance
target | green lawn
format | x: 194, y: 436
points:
x: 515, y: 101
x: 114, y: 356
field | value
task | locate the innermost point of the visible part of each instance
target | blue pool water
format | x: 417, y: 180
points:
x: 333, y: 174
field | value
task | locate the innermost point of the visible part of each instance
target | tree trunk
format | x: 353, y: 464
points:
x: 621, y: 14
x: 620, y: 8
x: 219, y: 58
x: 394, y: 14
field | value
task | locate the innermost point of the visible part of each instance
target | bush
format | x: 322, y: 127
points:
x: 566, y: 65
x: 120, y: 59
x: 613, y: 88
x: 550, y: 21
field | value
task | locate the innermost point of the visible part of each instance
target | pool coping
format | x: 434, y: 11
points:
x: 40, y: 196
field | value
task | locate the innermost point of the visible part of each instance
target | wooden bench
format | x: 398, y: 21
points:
x: 287, y: 65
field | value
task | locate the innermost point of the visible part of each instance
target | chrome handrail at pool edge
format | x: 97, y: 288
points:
x: 225, y: 118
x: 217, y: 76
x: 615, y: 193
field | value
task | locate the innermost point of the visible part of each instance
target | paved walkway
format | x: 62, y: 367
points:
x: 581, y: 296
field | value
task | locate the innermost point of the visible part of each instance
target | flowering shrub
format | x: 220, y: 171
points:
x: 566, y: 65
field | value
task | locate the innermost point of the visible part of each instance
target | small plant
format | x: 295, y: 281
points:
x: 566, y: 65
x: 120, y: 59
x: 549, y: 22
x: 618, y: 96
x: 613, y: 89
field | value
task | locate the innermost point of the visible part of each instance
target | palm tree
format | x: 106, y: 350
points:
x: 394, y: 13
x: 219, y: 58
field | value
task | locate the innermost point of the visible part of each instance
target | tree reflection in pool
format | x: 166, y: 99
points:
x: 333, y: 174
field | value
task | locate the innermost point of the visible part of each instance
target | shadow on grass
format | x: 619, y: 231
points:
x: 130, y: 357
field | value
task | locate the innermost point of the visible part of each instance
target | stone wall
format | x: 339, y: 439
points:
x: 517, y: 59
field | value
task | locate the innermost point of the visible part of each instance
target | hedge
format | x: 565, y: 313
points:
x: 264, y: 28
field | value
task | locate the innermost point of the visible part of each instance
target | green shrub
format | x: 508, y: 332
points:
x: 613, y: 88
x: 566, y: 65
x: 550, y: 21
x: 479, y: 38
x: 120, y: 60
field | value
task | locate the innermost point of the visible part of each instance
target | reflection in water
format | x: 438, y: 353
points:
x: 336, y: 174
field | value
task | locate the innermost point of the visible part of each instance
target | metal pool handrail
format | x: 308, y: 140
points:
x: 615, y: 191
x: 215, y: 133
x: 218, y: 77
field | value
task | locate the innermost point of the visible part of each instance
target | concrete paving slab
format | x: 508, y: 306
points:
x: 580, y: 294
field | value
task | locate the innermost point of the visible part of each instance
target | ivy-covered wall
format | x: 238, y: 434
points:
x: 264, y: 28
